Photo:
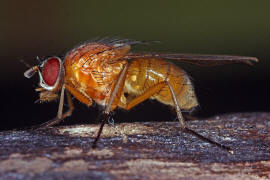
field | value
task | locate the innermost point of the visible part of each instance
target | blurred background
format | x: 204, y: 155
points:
x: 44, y: 28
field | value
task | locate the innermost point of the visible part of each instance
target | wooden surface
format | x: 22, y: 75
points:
x: 150, y: 150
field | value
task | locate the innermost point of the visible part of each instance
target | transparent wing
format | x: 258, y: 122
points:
x: 197, y: 59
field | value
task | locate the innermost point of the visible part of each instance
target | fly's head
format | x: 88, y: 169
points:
x: 51, y: 74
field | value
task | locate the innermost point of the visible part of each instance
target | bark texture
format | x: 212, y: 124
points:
x: 150, y: 150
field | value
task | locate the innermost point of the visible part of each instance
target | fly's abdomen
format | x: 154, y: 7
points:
x: 146, y: 73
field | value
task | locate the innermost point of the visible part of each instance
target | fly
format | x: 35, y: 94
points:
x: 106, y: 72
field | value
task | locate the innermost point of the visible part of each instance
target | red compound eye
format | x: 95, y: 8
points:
x: 50, y: 71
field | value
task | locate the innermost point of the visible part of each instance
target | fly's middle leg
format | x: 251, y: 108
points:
x: 118, y: 87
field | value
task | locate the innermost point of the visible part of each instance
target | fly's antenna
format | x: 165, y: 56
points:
x: 30, y: 72
x: 32, y: 69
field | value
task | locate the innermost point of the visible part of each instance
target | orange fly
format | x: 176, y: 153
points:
x: 105, y: 71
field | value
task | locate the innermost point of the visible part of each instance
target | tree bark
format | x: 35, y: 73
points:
x: 150, y: 150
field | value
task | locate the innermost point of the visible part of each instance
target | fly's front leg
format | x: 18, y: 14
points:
x: 70, y: 105
x: 60, y: 116
x: 186, y: 129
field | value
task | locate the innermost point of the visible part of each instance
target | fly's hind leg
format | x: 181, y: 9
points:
x: 60, y: 116
x: 186, y: 129
x: 155, y: 89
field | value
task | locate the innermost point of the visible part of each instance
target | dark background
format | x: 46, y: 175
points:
x: 44, y: 28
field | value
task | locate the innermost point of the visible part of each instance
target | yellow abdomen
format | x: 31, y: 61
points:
x: 145, y: 73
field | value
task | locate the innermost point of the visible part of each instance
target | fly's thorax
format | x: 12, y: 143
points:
x: 94, y: 55
x: 93, y: 78
x: 93, y: 75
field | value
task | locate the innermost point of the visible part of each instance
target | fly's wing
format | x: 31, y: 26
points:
x: 197, y: 59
